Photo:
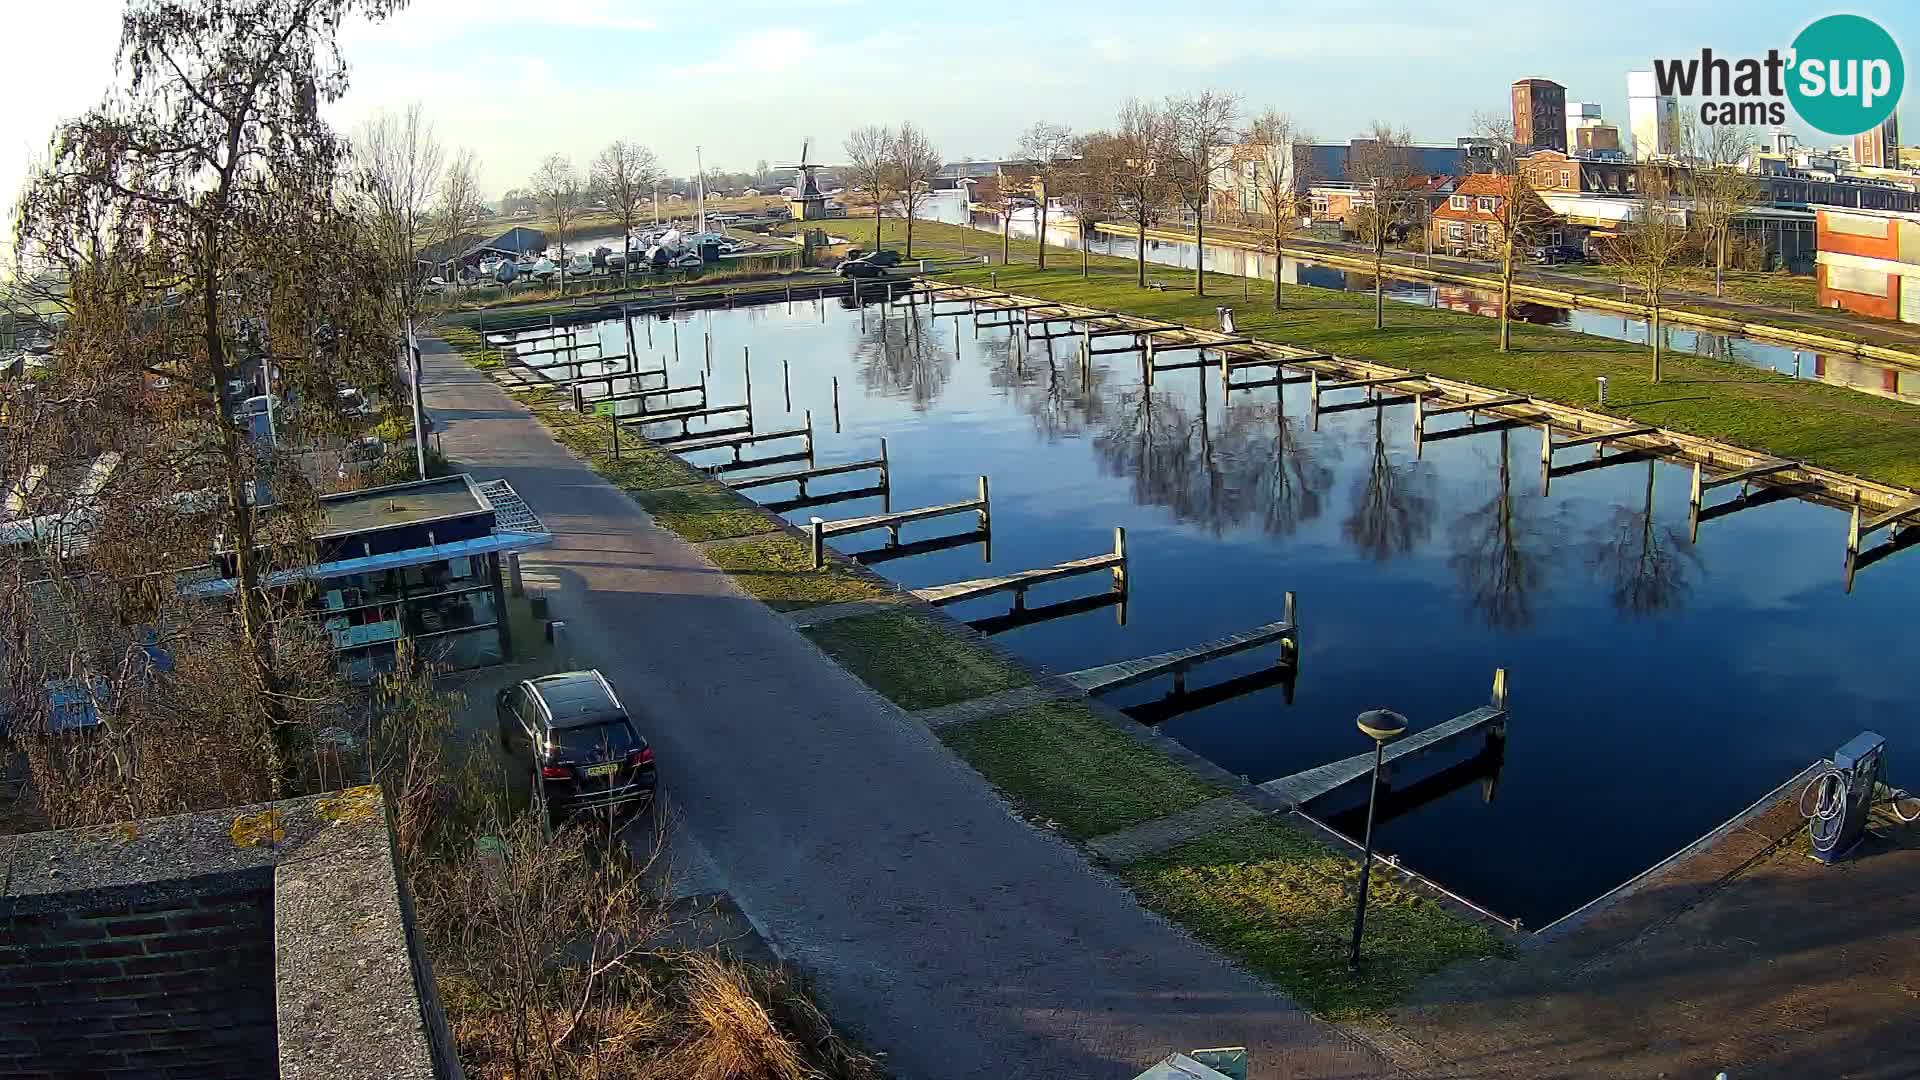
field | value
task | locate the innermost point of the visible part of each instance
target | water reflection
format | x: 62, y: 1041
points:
x: 900, y: 357
x: 1646, y: 568
x: 1501, y: 550
x: 1393, y: 503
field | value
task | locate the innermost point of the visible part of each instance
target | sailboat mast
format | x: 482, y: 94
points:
x: 700, y: 188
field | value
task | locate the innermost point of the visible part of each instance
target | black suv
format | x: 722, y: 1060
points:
x: 584, y: 750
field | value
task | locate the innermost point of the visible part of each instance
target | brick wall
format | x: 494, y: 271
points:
x: 120, y: 983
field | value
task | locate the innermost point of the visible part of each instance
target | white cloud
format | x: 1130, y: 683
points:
x: 426, y: 23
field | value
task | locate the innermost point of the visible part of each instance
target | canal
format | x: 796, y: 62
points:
x: 1658, y: 686
x: 1866, y: 376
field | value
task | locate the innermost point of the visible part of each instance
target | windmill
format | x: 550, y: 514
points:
x: 809, y: 204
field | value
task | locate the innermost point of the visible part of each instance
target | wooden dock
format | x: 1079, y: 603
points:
x: 686, y: 417
x: 740, y: 441
x: 802, y: 477
x: 894, y: 519
x: 1703, y: 483
x: 1305, y: 786
x: 1018, y: 583
x: 1098, y: 680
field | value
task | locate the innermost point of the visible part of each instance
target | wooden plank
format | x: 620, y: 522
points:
x: 1625, y: 457
x: 1765, y: 468
x: 940, y: 595
x: 1606, y: 436
x: 1476, y: 406
x: 900, y: 517
x: 1305, y: 786
x: 1364, y: 403
x: 1178, y: 346
x: 673, y: 415
x: 1106, y: 677
x: 676, y: 443
x: 1133, y: 331
x: 658, y: 392
x: 806, y: 474
x: 1893, y: 516
x: 754, y: 463
x: 736, y: 441
x: 1485, y: 427
x: 1383, y: 380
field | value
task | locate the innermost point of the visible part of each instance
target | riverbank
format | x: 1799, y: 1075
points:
x: 1258, y: 887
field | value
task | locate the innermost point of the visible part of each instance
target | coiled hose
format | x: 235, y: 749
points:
x: 1830, y: 790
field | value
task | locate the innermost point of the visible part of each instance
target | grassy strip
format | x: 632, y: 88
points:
x: 778, y: 571
x: 1828, y: 425
x: 1059, y: 762
x: 1283, y: 905
x: 705, y: 513
x: 912, y: 662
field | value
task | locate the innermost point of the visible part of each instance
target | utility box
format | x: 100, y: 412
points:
x: 1846, y: 796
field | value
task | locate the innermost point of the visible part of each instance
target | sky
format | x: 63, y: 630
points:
x: 515, y: 80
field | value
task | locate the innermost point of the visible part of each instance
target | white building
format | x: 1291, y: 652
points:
x: 1580, y: 114
x: 1653, y: 117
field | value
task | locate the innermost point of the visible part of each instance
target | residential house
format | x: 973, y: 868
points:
x: 1471, y: 217
x: 1868, y: 261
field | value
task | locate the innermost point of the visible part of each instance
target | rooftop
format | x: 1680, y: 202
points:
x: 398, y: 504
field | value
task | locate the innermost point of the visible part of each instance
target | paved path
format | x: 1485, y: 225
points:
x: 940, y: 928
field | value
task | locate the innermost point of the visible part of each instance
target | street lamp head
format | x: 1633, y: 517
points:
x: 1381, y: 725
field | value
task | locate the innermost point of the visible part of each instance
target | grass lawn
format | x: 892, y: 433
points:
x: 1282, y: 904
x: 1800, y: 419
x: 704, y: 513
x: 915, y: 664
x: 777, y: 570
x: 1059, y: 762
x: 1780, y: 290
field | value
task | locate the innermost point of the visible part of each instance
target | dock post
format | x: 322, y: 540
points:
x: 789, y: 297
x: 709, y: 352
x: 986, y: 508
x: 579, y: 400
x: 1290, y: 645
x: 786, y: 380
x: 1419, y: 418
x: 746, y: 369
x: 616, y: 437
x: 836, y: 404
x: 1120, y: 549
x: 809, y: 436
x: 1853, y: 533
x: 1693, y: 507
x: 676, y: 338
x: 1499, y: 701
x: 626, y: 320
x: 1546, y: 457
x: 818, y: 528
x: 703, y: 389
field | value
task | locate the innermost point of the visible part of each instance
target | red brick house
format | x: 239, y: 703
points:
x: 1470, y: 219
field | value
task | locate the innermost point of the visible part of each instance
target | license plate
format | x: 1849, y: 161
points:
x: 604, y: 770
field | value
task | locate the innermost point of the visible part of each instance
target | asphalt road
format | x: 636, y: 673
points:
x: 940, y: 929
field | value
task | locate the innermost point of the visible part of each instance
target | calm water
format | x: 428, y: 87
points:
x: 1657, y: 687
x: 1840, y: 370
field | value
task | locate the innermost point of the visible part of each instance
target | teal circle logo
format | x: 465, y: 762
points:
x: 1847, y: 74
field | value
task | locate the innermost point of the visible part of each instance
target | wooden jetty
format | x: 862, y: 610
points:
x: 686, y: 417
x: 893, y: 520
x: 664, y: 393
x: 1099, y: 680
x: 802, y: 477
x: 739, y: 442
x: 1903, y: 525
x: 1018, y: 583
x: 1304, y: 787
x: 1639, y: 442
x: 1059, y: 609
x: 1703, y: 483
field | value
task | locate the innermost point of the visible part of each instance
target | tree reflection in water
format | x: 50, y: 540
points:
x: 1051, y: 389
x: 1500, y: 552
x: 1392, y: 504
x: 1645, y: 568
x: 904, y: 359
x: 1252, y: 469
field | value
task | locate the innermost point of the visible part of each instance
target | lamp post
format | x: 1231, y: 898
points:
x: 1380, y: 725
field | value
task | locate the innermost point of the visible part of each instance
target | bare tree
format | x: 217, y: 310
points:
x: 210, y: 174
x: 462, y: 208
x: 1520, y: 216
x: 1722, y: 188
x: 1135, y: 162
x: 1647, y: 568
x: 557, y: 185
x: 870, y: 165
x: 1199, y: 148
x: 1088, y: 188
x: 400, y: 164
x: 625, y: 174
x: 915, y: 162
x: 1048, y: 150
x: 1273, y: 151
x: 1648, y: 243
x: 1384, y: 163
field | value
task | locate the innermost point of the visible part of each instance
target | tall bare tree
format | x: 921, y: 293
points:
x: 400, y: 164
x: 870, y: 165
x: 557, y: 186
x: 1383, y: 162
x: 915, y: 162
x: 1136, y: 164
x: 1088, y: 188
x: 1519, y: 213
x: 462, y: 208
x: 1721, y: 186
x: 1200, y: 138
x: 625, y: 174
x: 1648, y: 243
x: 1048, y: 150
x: 208, y: 173
x: 1273, y: 150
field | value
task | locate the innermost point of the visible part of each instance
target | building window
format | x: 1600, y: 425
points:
x: 1319, y: 204
x: 1458, y: 202
x: 1487, y: 203
x: 1456, y: 231
x: 1480, y: 236
x: 1566, y: 178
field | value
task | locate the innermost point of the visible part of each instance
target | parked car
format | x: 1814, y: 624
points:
x: 579, y: 742
x: 883, y: 257
x: 861, y: 268
x: 1549, y: 254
